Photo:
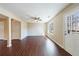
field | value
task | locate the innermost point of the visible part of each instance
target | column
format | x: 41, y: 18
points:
x: 9, y: 44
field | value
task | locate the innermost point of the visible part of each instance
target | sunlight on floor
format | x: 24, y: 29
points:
x: 51, y: 47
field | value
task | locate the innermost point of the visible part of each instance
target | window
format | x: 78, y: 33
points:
x: 73, y: 23
x: 50, y: 27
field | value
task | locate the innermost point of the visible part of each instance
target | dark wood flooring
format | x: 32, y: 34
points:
x: 32, y: 46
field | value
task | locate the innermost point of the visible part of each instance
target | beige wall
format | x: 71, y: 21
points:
x: 58, y: 24
x: 36, y: 29
x: 57, y: 34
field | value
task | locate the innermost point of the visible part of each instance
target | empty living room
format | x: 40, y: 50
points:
x: 39, y: 29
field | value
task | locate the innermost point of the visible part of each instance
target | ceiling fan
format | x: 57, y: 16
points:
x: 34, y: 18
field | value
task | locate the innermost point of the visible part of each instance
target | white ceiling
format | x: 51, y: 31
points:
x: 43, y: 10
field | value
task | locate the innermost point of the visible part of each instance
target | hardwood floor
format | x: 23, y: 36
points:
x: 32, y: 46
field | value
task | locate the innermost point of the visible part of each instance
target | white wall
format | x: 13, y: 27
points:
x: 36, y: 29
x: 23, y: 30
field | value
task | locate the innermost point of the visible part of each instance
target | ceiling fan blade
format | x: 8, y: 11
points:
x: 39, y: 19
x: 34, y: 18
x: 29, y: 16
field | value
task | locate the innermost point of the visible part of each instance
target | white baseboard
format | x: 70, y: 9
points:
x: 9, y: 45
x: 56, y: 42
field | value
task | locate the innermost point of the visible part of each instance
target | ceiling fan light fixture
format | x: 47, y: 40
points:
x: 36, y: 20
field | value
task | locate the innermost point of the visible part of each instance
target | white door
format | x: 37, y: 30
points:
x: 71, y: 34
x: 68, y: 34
x: 75, y: 35
x: 1, y: 30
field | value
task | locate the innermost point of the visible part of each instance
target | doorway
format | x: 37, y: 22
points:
x: 1, y: 30
x: 16, y: 29
x: 4, y: 31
